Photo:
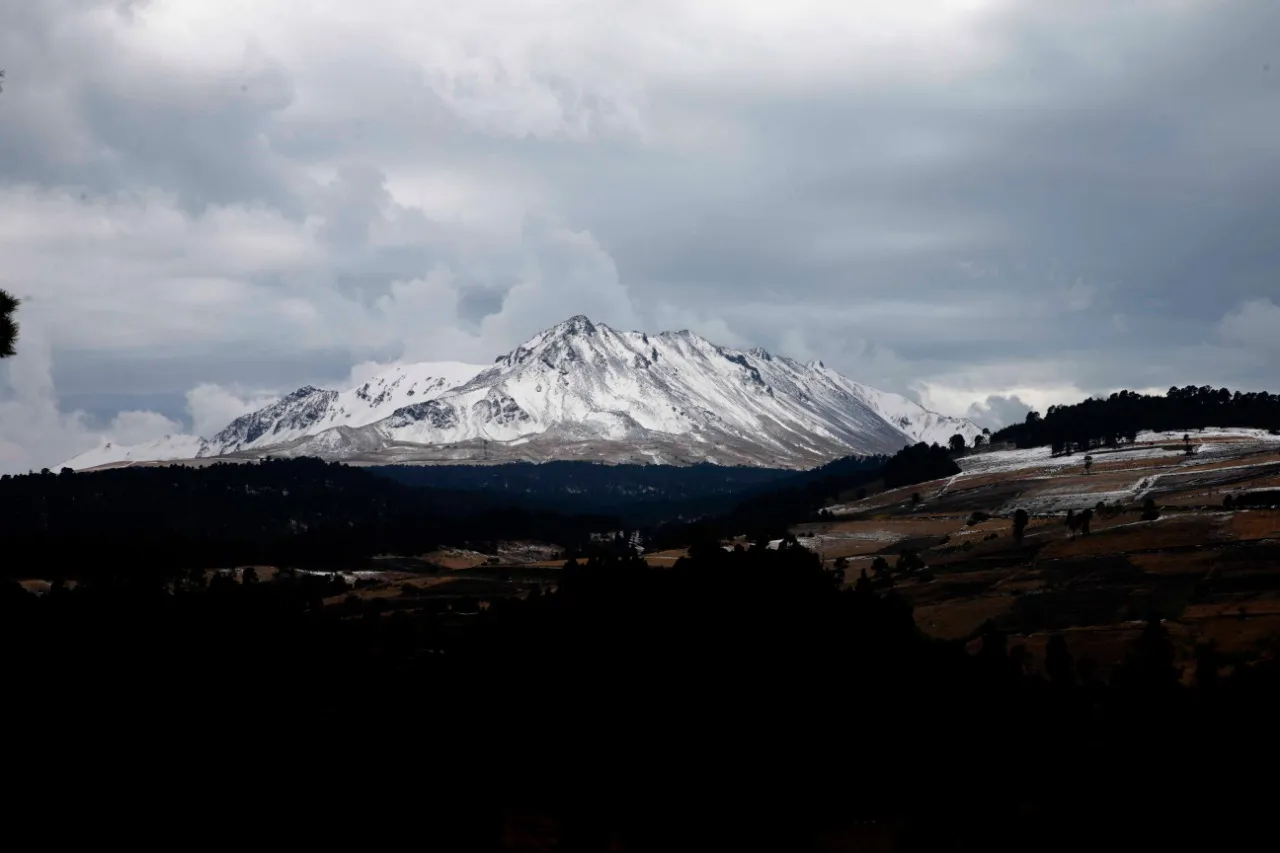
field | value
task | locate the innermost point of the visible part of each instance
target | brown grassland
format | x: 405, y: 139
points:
x: 1213, y: 575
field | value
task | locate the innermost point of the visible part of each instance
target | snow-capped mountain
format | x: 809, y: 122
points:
x: 583, y: 390
x: 309, y: 411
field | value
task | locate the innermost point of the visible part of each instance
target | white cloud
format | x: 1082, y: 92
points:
x: 35, y: 433
x: 137, y: 427
x: 212, y: 407
x: 570, y: 274
x: 1254, y: 323
x: 998, y: 410
x: 995, y: 407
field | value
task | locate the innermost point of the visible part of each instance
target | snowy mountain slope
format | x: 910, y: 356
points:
x: 168, y: 448
x: 617, y: 386
x: 308, y: 410
x: 917, y: 422
x: 584, y: 390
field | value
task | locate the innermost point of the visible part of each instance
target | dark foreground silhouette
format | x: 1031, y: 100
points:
x: 741, y: 700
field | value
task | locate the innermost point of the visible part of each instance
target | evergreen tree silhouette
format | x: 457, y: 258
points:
x: 1149, y: 663
x: 1020, y: 522
x: 8, y: 325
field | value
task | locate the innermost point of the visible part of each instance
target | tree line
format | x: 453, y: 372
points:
x: 1118, y: 418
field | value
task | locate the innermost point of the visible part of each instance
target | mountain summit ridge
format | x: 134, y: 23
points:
x: 578, y: 390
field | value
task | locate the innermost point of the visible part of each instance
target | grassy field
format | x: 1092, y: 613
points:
x: 1212, y: 574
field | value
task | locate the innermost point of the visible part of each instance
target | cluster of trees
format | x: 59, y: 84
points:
x: 1114, y: 420
x: 1268, y: 498
x: 918, y: 463
x: 1079, y: 522
x: 958, y: 443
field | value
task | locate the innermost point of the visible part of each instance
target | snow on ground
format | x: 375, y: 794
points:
x: 823, y: 541
x: 1059, y: 502
x: 999, y: 461
x: 1154, y: 456
x: 1242, y: 433
x: 349, y: 577
x: 862, y: 536
x: 169, y: 447
x: 1003, y: 461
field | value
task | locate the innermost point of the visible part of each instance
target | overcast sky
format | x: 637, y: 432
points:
x: 205, y: 203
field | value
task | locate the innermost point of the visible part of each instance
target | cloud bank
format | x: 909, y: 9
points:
x: 984, y: 204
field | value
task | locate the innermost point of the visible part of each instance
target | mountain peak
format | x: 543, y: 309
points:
x: 582, y: 390
x: 578, y: 324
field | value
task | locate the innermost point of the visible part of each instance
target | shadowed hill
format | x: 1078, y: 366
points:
x: 288, y: 512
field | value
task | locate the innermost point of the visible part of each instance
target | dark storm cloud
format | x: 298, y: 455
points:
x: 80, y: 111
x: 1139, y: 163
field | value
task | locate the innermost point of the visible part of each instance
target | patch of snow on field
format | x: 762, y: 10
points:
x: 866, y: 535
x: 823, y: 541
x: 349, y: 576
x: 1053, y: 503
x: 1258, y: 435
x: 1005, y: 461
x: 998, y: 461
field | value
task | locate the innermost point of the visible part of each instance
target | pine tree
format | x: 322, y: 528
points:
x: 8, y: 325
x: 1150, y: 512
x: 1020, y: 521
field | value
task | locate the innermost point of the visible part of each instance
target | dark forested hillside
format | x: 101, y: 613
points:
x: 306, y: 512
x: 769, y: 511
x: 288, y: 512
x: 1099, y: 422
x: 642, y: 494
